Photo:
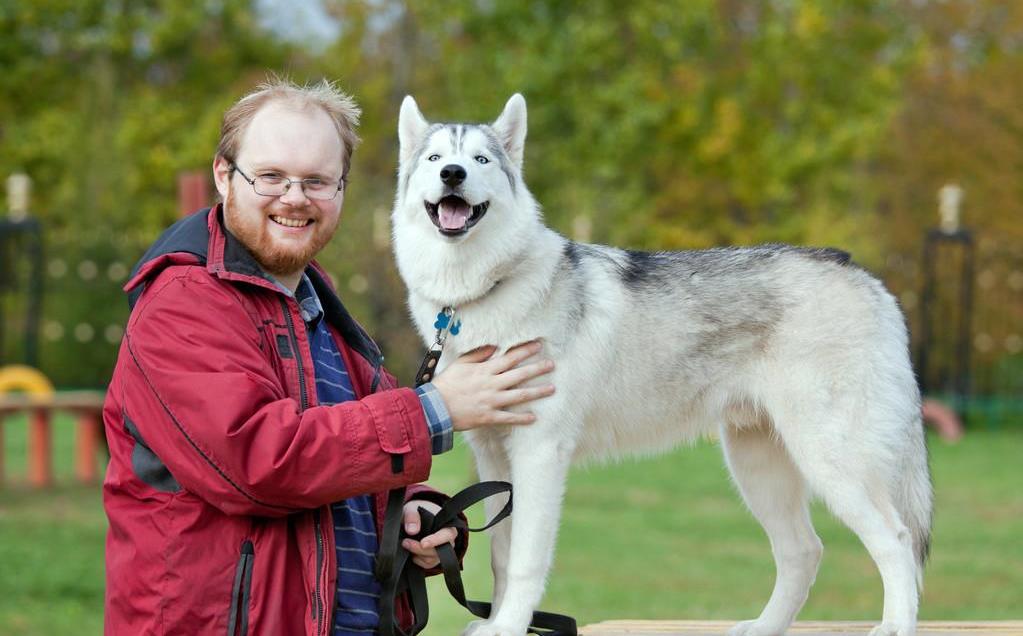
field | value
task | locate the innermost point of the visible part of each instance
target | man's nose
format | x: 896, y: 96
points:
x: 452, y: 174
x: 295, y: 194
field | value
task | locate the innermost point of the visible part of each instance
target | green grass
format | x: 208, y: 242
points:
x: 658, y: 538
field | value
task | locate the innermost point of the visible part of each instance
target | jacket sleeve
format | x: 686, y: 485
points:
x: 208, y: 403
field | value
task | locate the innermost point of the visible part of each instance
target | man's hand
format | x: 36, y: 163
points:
x: 424, y: 553
x: 476, y: 388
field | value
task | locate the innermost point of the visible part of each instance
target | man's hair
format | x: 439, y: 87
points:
x: 325, y: 95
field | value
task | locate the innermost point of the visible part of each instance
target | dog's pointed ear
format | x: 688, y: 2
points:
x: 511, y: 127
x: 411, y: 127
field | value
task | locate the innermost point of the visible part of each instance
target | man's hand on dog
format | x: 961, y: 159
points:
x: 477, y: 387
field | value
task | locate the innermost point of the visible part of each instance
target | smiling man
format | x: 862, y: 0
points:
x: 253, y: 432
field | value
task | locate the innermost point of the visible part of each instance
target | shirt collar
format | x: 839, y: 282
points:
x: 308, y: 302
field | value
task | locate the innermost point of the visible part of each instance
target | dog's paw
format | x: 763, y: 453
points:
x: 755, y: 628
x: 889, y: 629
x: 486, y: 628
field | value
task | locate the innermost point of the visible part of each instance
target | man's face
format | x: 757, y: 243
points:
x: 283, y: 233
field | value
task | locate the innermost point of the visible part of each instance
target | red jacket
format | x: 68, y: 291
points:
x: 222, y: 466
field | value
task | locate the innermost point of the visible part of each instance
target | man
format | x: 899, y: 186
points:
x: 253, y: 433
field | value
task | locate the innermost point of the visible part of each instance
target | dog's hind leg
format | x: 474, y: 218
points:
x: 776, y: 495
x: 539, y: 468
x: 855, y: 489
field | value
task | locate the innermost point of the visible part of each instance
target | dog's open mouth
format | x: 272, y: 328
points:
x: 453, y: 215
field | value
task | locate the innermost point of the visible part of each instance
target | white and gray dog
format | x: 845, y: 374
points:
x: 796, y: 358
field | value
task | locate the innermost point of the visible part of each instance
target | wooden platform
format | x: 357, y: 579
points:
x: 822, y: 628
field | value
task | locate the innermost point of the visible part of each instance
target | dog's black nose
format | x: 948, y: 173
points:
x: 452, y: 174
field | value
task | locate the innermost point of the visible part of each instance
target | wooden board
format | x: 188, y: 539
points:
x: 818, y: 628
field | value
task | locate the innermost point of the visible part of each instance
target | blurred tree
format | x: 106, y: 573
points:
x: 660, y: 125
x: 102, y: 103
x: 674, y: 124
x: 961, y: 122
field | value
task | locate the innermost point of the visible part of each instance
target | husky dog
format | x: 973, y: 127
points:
x: 796, y: 358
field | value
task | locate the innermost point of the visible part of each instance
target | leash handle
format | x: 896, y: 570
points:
x: 398, y: 574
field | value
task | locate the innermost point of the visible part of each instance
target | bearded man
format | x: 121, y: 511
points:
x: 253, y: 432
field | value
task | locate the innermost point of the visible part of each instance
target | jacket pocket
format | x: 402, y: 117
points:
x: 238, y: 621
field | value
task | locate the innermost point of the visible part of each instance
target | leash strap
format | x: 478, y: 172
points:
x: 398, y: 574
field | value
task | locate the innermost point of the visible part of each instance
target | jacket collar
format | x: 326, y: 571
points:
x: 201, y: 239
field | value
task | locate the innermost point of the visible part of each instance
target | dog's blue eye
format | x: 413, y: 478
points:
x: 481, y: 159
x: 433, y: 158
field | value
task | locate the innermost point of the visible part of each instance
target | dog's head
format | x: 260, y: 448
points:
x: 454, y: 179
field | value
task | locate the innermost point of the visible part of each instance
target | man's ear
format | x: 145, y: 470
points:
x: 221, y: 175
x: 511, y: 128
x: 411, y: 127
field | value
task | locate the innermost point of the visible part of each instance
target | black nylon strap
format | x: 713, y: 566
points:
x: 398, y: 574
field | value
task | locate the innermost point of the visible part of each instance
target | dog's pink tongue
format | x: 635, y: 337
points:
x: 453, y: 216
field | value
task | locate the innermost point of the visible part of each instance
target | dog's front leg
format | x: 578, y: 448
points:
x: 538, y: 468
x: 492, y: 465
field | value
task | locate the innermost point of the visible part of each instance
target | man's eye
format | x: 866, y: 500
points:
x: 481, y: 159
x: 315, y: 183
x: 271, y: 177
x: 433, y: 158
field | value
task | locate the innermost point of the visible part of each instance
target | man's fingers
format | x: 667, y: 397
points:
x: 411, y: 520
x: 424, y: 553
x: 480, y: 354
x: 516, y: 419
x: 426, y: 563
x: 512, y: 397
x: 517, y: 354
x: 518, y: 375
x: 444, y: 535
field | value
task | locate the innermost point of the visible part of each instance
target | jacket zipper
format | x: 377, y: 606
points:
x: 319, y: 567
x: 298, y: 354
x: 238, y: 622
x: 303, y: 401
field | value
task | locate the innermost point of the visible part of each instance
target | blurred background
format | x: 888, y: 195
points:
x: 887, y: 128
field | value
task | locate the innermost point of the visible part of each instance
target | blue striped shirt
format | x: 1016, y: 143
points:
x: 355, y: 536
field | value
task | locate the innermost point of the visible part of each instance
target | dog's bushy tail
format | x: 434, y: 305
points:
x: 914, y: 495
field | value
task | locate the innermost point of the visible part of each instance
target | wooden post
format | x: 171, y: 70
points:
x: 1, y: 449
x: 40, y: 449
x: 86, y: 445
x: 193, y: 192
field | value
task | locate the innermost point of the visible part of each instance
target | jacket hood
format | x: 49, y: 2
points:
x: 200, y: 239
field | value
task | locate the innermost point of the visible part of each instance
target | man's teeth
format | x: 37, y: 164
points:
x: 290, y: 222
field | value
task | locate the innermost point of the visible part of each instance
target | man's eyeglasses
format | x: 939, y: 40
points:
x: 272, y: 184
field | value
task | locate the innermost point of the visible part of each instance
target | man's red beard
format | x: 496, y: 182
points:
x: 275, y: 257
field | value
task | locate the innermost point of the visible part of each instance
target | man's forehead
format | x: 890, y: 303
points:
x: 280, y: 129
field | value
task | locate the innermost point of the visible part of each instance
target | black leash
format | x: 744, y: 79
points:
x: 398, y: 574
x: 395, y: 569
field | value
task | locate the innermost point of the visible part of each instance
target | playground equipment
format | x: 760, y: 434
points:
x: 39, y: 400
x: 21, y: 234
x: 24, y: 389
x: 949, y: 247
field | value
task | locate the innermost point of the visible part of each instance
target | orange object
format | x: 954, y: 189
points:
x: 86, y: 445
x: 40, y: 449
x: 1, y: 450
x: 193, y: 192
x: 943, y: 419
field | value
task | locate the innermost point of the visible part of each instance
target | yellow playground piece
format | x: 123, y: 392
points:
x: 19, y: 377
